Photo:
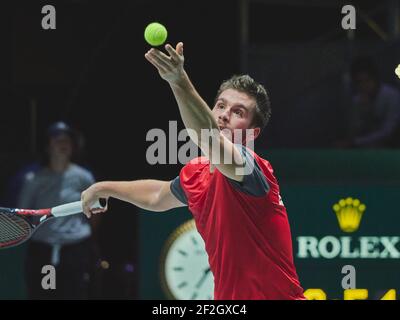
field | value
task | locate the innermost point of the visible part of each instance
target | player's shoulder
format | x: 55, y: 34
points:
x: 262, y: 162
x: 195, y: 166
x: 253, y: 153
x: 198, y: 162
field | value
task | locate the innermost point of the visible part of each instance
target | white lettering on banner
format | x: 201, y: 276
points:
x: 366, y: 247
x: 325, y: 243
x: 346, y: 249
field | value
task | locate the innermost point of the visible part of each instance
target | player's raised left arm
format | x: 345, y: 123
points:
x: 195, y: 113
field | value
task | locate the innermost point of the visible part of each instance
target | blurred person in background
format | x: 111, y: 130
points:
x: 67, y: 243
x: 372, y: 115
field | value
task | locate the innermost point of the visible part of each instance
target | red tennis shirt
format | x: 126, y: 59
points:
x: 245, y: 229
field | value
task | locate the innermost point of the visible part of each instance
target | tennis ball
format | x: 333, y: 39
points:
x: 397, y: 71
x: 155, y: 34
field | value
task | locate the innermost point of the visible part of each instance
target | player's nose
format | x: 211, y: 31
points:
x: 224, y: 116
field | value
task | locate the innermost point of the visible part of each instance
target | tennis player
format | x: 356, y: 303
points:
x: 239, y: 213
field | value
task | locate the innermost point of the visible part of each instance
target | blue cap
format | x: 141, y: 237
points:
x: 59, y: 128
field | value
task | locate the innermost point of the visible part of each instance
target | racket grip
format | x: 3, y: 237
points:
x: 74, y: 208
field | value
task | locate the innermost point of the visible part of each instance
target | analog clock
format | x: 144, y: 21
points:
x: 185, y: 272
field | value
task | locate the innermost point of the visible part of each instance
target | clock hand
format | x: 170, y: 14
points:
x: 205, y: 274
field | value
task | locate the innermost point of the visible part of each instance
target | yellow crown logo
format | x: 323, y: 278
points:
x: 349, y: 212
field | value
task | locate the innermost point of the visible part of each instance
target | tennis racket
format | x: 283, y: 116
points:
x: 16, y: 227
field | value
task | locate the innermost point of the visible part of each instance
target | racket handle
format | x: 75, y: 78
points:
x: 74, y: 208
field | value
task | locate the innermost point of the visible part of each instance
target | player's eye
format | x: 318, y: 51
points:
x: 220, y: 106
x: 239, y: 113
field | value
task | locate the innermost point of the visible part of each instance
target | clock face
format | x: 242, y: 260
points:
x: 186, y: 271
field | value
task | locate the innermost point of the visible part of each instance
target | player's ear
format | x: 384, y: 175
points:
x: 252, y: 134
x: 257, y: 132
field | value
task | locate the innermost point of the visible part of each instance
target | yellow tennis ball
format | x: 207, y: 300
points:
x: 397, y: 71
x: 155, y: 34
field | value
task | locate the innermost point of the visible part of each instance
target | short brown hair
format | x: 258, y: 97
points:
x: 246, y: 84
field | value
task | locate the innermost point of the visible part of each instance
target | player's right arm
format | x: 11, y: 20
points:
x: 152, y: 195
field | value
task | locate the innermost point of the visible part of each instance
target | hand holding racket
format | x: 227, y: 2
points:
x: 15, y: 228
x: 90, y: 197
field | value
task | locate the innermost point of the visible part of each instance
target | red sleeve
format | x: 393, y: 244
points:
x: 190, y: 177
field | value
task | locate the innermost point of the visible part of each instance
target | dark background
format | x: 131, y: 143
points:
x: 91, y: 72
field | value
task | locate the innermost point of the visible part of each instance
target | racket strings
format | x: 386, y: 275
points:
x: 8, y: 227
x: 12, y: 228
